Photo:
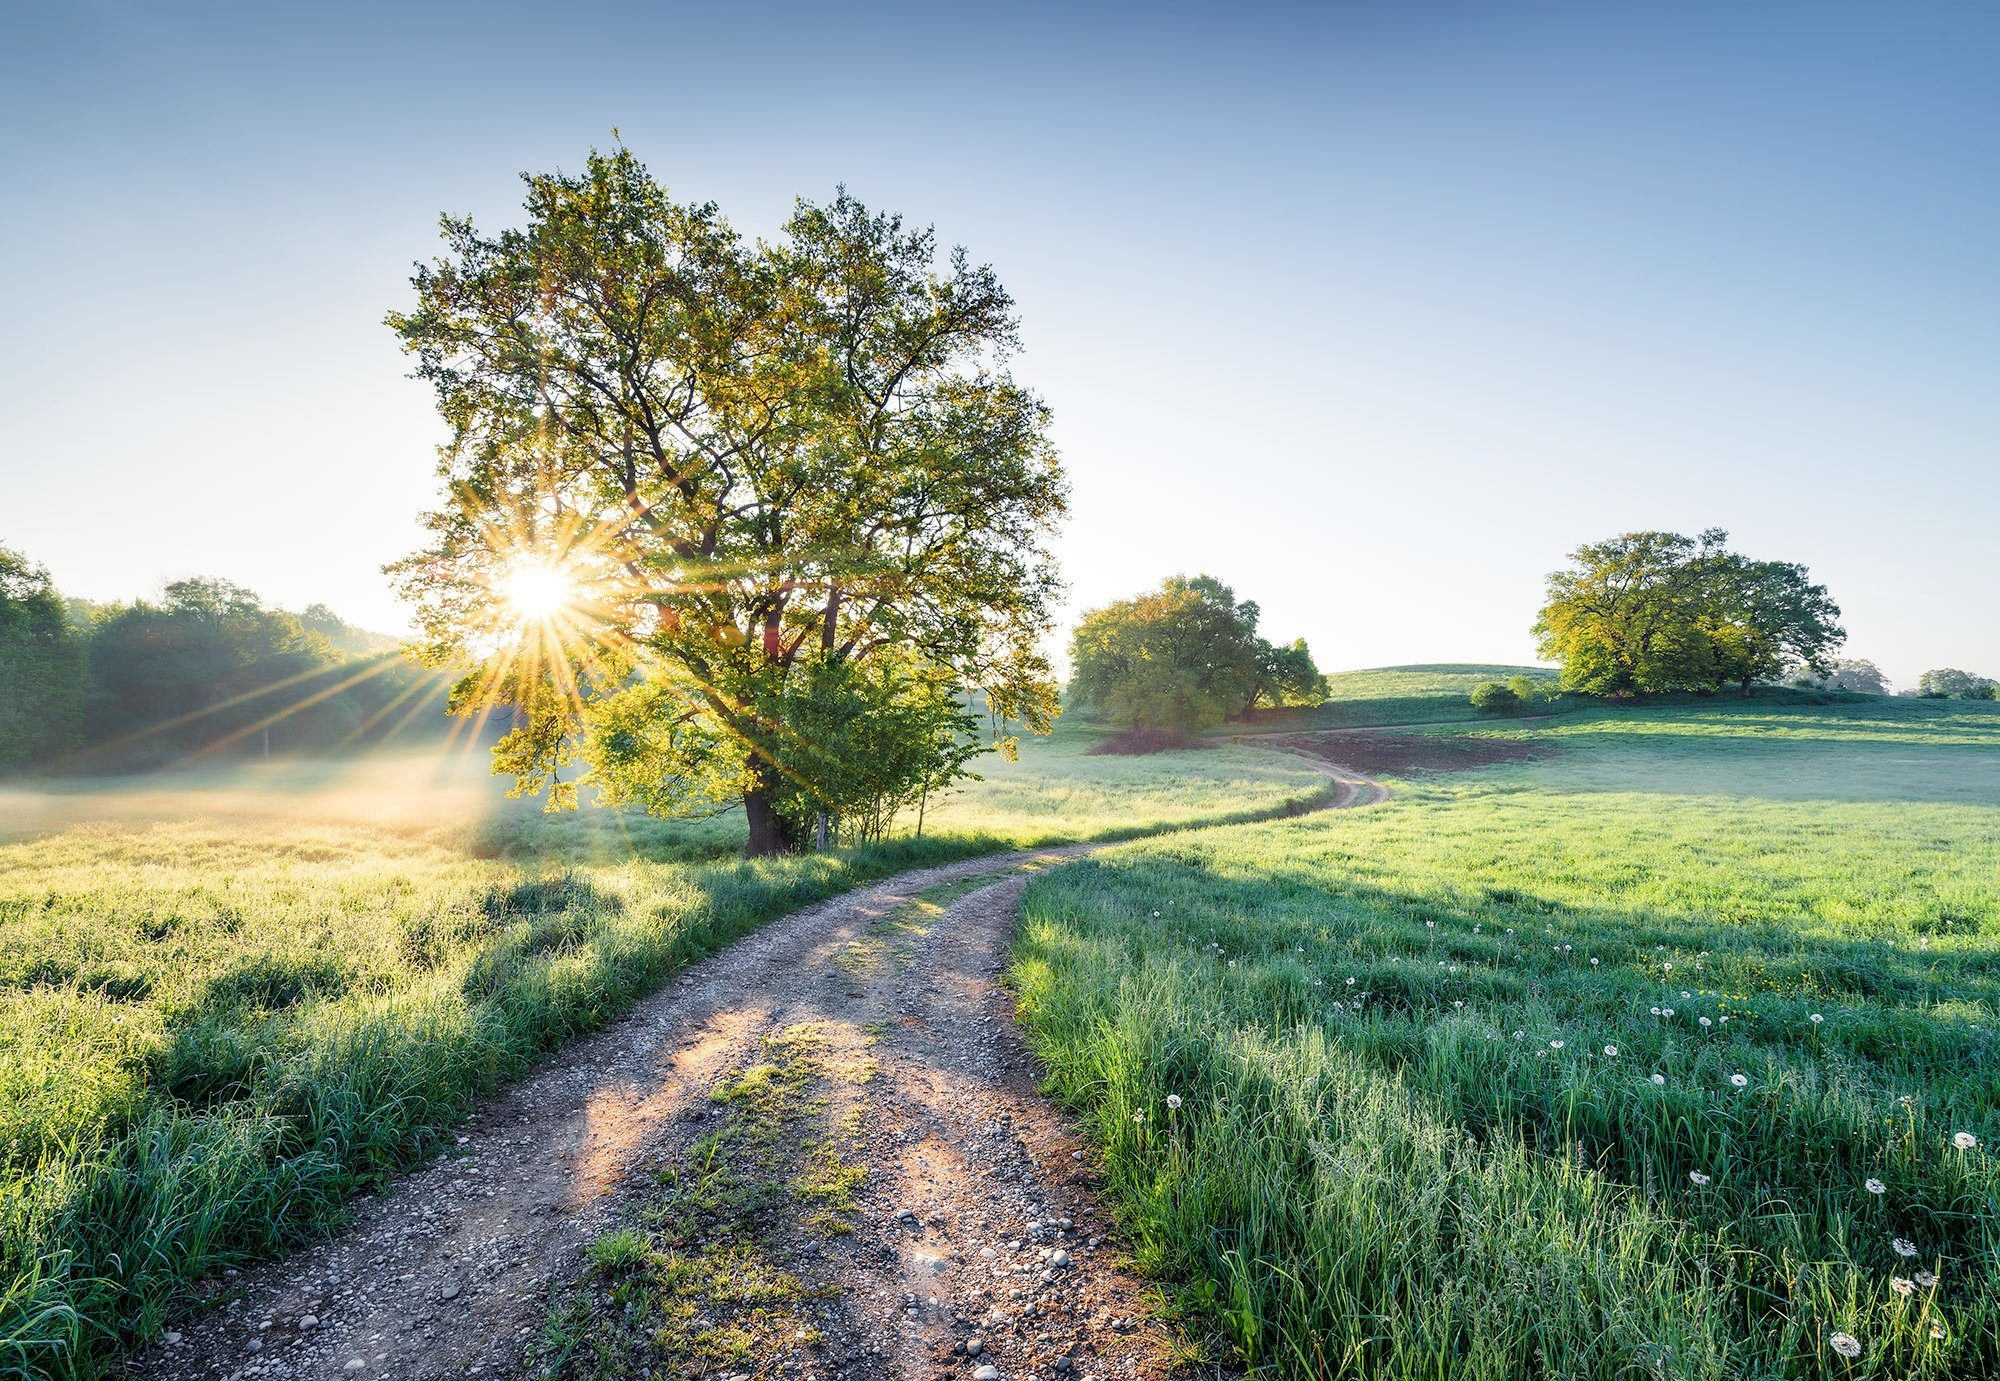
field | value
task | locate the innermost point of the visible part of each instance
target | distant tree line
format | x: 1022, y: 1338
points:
x: 1646, y: 613
x: 205, y: 670
x: 1949, y: 683
x: 1185, y: 657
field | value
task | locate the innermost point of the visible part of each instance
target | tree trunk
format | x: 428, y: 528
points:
x: 770, y: 832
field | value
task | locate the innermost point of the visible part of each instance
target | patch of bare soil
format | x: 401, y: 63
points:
x: 1407, y: 755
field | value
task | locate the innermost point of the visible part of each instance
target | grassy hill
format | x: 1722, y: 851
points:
x: 1668, y: 1052
x: 1425, y: 693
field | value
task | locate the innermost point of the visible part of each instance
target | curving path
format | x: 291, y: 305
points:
x: 940, y: 1220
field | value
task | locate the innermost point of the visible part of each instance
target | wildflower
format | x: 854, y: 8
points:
x: 1430, y: 925
x: 1660, y: 1080
x: 1517, y: 1035
x: 1593, y: 963
x: 1874, y: 1186
x: 1846, y: 1344
x: 1685, y: 995
x: 1706, y: 1022
x: 1555, y: 1045
x: 1904, y: 1246
x: 1740, y: 1080
x: 1937, y: 1329
x: 1926, y: 1279
x: 1139, y: 1116
x: 1350, y: 982
x: 1173, y: 1102
x: 1670, y: 968
x: 1656, y: 1011
x: 1459, y: 1003
x: 1666, y: 1011
x: 1964, y: 1141
x: 1817, y: 1018
x: 1903, y: 1287
x: 1700, y: 1180
x: 1156, y: 915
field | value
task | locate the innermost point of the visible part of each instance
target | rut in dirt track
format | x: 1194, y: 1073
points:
x: 973, y: 1217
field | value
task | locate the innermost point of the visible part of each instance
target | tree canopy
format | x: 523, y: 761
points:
x: 1848, y: 674
x: 1185, y: 657
x: 760, y: 474
x: 41, y: 666
x: 1651, y: 612
x: 1949, y: 683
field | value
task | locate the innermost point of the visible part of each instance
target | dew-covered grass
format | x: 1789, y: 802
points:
x: 1576, y: 1067
x: 229, y: 1000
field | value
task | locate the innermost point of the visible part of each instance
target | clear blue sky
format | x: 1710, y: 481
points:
x: 1374, y: 310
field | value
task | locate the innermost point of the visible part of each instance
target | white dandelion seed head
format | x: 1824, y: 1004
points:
x: 1611, y: 1050
x: 1740, y: 1080
x: 1903, y: 1246
x: 1593, y: 963
x: 1699, y: 1179
x: 1874, y: 1186
x: 1846, y: 1344
x: 1666, y: 1011
x: 1903, y: 1286
x: 1656, y: 1011
x: 1706, y: 1022
x: 1964, y: 1141
x: 1937, y: 1329
x: 1817, y: 1018
x: 1926, y: 1278
x: 1555, y: 1045
x: 1173, y: 1102
x: 1350, y: 982
x: 1660, y: 1079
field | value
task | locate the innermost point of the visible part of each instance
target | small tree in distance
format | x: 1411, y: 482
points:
x: 1949, y: 683
x: 1652, y: 612
x: 1184, y: 658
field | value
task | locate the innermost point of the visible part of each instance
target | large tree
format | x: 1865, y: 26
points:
x: 719, y: 467
x: 1650, y: 612
x: 1184, y: 657
x: 42, y: 671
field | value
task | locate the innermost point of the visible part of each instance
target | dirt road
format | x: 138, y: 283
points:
x: 829, y: 1148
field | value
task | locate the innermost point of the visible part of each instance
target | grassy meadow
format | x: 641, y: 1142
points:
x: 1675, y: 1052
x: 230, y: 1000
x: 1427, y: 693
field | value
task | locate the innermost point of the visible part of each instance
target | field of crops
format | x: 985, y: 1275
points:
x: 228, y: 1001
x: 1672, y: 1052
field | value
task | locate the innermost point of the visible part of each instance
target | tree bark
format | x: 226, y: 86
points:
x: 770, y: 832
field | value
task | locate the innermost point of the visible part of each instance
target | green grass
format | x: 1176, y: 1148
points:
x: 228, y: 1001
x: 1403, y: 1175
x: 1059, y: 791
x: 1428, y: 693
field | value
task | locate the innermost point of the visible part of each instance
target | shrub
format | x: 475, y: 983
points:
x: 1496, y: 696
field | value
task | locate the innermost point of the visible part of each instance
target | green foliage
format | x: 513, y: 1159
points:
x: 209, y: 669
x: 1949, y: 683
x: 1380, y: 1163
x: 1496, y: 697
x: 41, y: 666
x: 1184, y: 658
x: 1652, y: 612
x: 743, y: 460
x: 1854, y: 675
